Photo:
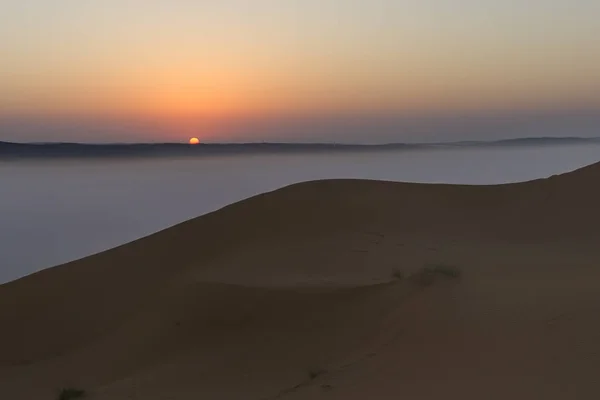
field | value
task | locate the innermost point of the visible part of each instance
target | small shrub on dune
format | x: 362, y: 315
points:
x: 447, y: 270
x: 426, y: 276
x: 397, y: 274
x: 314, y: 373
x: 71, y: 394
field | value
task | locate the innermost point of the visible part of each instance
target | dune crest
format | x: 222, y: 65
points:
x: 317, y: 290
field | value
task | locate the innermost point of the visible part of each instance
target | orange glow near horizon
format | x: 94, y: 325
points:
x: 215, y: 67
x: 194, y: 140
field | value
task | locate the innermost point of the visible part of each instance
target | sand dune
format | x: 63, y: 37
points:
x: 292, y: 294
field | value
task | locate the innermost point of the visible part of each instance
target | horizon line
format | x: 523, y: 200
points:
x: 202, y: 144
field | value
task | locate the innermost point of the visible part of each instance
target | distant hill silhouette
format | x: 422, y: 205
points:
x: 11, y: 150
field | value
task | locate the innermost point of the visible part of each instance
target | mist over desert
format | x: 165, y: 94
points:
x: 333, y: 289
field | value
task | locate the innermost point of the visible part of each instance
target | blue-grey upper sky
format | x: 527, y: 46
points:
x: 343, y: 70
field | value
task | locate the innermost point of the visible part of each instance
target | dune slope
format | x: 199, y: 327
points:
x: 315, y: 290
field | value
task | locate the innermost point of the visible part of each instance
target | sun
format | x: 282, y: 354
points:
x: 194, y: 140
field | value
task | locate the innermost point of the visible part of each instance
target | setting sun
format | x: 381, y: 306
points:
x: 194, y: 140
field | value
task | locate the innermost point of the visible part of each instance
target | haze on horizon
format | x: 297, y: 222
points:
x: 328, y: 70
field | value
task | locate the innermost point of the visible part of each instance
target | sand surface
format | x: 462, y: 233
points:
x: 292, y: 295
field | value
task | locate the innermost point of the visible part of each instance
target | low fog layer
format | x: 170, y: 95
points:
x: 56, y: 211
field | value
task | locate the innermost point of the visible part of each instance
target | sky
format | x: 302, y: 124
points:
x: 310, y: 70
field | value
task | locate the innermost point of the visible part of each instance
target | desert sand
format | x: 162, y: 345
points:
x: 317, y: 290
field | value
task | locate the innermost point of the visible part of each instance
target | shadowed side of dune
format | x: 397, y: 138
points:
x: 253, y: 300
